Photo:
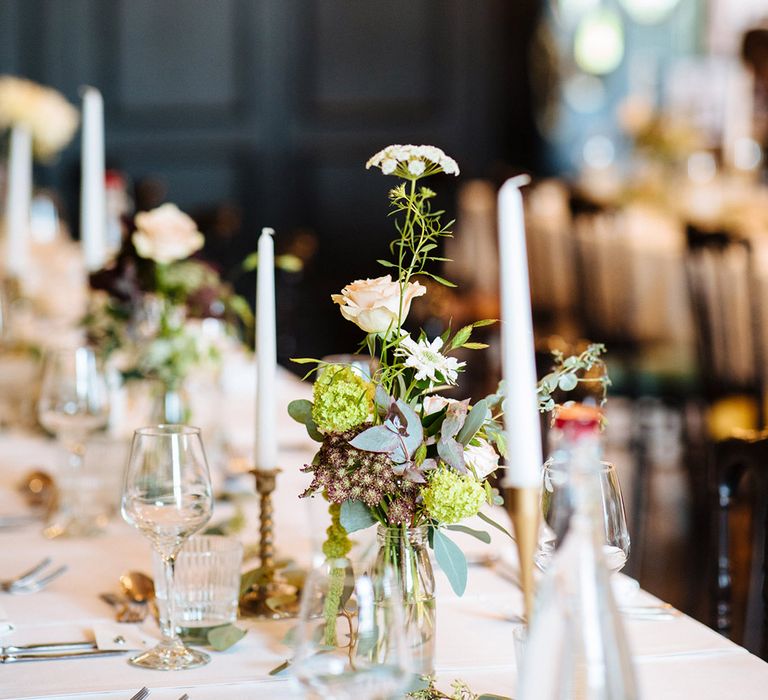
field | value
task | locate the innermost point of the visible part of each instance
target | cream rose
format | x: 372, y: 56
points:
x: 166, y: 234
x: 435, y: 403
x: 373, y: 304
x: 482, y: 458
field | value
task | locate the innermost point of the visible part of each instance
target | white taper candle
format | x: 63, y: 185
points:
x: 93, y: 197
x: 266, y: 354
x: 19, y: 201
x: 521, y: 415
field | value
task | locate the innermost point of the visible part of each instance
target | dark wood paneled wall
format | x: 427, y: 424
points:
x: 274, y: 106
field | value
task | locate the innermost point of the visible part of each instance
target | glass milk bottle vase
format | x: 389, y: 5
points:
x: 577, y: 648
x: 406, y: 551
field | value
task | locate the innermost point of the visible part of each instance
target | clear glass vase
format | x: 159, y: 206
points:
x: 406, y: 551
x: 171, y: 405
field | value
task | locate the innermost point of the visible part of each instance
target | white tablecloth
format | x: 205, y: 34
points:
x: 674, y: 659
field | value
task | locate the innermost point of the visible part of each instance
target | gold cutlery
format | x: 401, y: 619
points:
x: 125, y: 609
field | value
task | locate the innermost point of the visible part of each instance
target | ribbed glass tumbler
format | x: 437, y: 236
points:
x: 207, y: 584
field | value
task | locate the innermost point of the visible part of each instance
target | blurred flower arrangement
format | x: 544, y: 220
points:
x: 148, y: 307
x: 50, y: 118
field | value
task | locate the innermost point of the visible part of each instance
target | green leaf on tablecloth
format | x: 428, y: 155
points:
x: 355, y: 516
x: 249, y: 579
x: 223, y: 637
x: 481, y: 535
x: 281, y: 669
x: 452, y: 561
x: 493, y: 523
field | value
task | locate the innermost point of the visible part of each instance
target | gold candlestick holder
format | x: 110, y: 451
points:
x: 523, y: 506
x: 270, y: 596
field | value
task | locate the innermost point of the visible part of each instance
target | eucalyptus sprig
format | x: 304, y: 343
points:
x: 571, y: 371
x: 460, y: 691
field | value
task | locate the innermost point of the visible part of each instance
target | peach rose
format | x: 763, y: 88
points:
x: 373, y: 304
x: 166, y: 234
x: 482, y: 458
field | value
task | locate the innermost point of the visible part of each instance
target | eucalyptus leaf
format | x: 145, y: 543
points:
x: 223, y: 637
x: 452, y: 561
x: 382, y: 399
x: 355, y: 516
x: 379, y: 438
x: 568, y: 382
x: 415, y: 435
x: 300, y: 410
x: 493, y: 523
x: 452, y: 453
x: 475, y: 420
x: 481, y: 535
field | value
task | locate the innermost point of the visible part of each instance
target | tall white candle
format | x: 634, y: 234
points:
x: 19, y: 201
x: 266, y: 354
x: 93, y: 197
x: 521, y: 415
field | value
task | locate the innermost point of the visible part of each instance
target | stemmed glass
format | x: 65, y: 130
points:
x: 557, y: 508
x: 167, y: 496
x: 73, y: 404
x: 351, y: 642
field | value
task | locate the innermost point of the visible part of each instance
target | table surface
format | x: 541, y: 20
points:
x: 673, y: 658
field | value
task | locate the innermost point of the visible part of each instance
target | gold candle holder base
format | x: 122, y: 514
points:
x: 270, y: 597
x: 523, y: 506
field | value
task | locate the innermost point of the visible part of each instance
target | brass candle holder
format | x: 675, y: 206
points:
x: 270, y: 597
x: 523, y: 505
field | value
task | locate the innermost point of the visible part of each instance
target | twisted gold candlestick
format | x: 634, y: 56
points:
x: 271, y: 596
x: 523, y: 505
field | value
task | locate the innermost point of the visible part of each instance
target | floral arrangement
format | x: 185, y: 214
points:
x: 51, y: 119
x: 395, y: 451
x: 147, y: 306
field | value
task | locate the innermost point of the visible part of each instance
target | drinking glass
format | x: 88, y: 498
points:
x: 351, y: 642
x: 167, y: 496
x: 207, y: 580
x: 557, y: 507
x: 73, y: 404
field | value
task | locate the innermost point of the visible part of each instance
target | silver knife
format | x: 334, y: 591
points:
x: 13, y: 658
x: 54, y: 646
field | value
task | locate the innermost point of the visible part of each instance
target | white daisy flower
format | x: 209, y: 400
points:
x: 412, y: 161
x: 428, y: 361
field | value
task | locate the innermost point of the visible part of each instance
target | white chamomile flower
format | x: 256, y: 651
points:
x: 412, y: 161
x: 428, y: 361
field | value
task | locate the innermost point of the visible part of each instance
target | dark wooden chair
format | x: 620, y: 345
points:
x: 728, y: 317
x: 742, y: 461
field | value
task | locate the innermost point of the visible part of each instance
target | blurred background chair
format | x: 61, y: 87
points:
x: 740, y: 519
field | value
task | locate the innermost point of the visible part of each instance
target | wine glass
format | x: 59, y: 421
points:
x: 73, y: 404
x: 167, y: 496
x: 557, y: 507
x: 351, y: 642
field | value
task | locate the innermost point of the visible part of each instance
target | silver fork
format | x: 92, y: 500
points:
x: 32, y: 580
x: 143, y: 693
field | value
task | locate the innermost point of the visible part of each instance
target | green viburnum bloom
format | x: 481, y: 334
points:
x: 451, y: 497
x: 342, y: 399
